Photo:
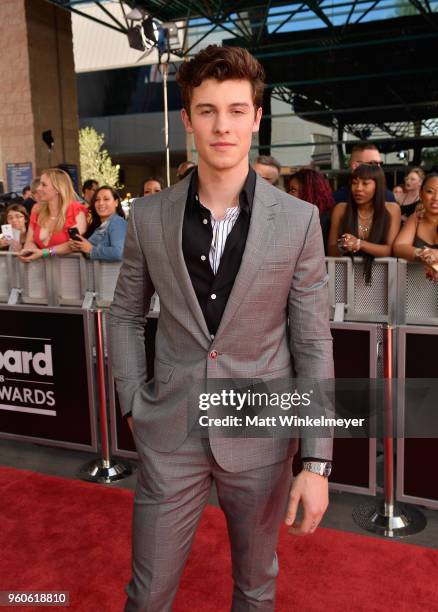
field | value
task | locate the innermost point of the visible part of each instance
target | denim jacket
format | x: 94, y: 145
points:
x: 108, y: 240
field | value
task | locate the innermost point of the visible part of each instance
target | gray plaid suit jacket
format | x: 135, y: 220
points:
x: 276, y: 321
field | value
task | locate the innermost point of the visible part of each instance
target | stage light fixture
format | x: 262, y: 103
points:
x: 136, y: 14
x: 136, y: 38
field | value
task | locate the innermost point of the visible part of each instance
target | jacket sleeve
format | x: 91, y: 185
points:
x: 128, y: 317
x: 310, y: 336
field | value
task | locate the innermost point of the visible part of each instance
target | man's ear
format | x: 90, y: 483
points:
x: 186, y: 120
x: 257, y: 119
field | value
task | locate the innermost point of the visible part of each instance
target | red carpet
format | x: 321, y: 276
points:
x: 59, y: 534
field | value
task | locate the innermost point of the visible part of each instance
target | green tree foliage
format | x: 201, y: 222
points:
x: 95, y: 161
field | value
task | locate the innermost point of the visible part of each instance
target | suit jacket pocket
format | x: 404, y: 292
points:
x: 155, y: 390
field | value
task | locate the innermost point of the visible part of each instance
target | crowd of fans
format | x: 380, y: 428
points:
x: 57, y: 223
x: 363, y: 218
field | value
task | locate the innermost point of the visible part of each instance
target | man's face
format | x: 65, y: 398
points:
x: 222, y: 120
x: 368, y: 156
x: 269, y: 173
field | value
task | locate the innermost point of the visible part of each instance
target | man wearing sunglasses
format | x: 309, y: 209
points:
x: 362, y: 153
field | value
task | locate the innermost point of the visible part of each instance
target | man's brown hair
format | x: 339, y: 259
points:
x: 222, y: 64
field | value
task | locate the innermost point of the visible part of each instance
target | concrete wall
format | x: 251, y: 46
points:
x: 16, y: 115
x: 38, y: 85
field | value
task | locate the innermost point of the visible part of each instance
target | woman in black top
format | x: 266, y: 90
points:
x: 420, y: 232
x: 411, y: 196
x: 365, y: 225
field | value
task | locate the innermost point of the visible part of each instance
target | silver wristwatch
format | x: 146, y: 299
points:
x: 323, y: 468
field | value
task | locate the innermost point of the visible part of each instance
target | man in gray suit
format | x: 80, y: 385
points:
x: 239, y: 269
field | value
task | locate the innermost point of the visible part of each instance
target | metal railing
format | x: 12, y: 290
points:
x: 71, y: 280
x: 398, y: 294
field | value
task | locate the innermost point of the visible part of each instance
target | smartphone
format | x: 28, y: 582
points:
x: 7, y: 232
x: 73, y: 232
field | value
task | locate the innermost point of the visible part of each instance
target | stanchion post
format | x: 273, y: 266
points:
x: 388, y: 440
x: 100, y: 364
x: 384, y: 516
x: 103, y: 469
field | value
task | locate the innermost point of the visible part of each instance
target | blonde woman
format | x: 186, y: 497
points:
x: 411, y: 195
x: 51, y: 218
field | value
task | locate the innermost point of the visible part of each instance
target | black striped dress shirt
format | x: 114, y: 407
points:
x: 213, y: 249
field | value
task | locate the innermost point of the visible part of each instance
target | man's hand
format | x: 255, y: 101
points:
x: 312, y: 490
x: 129, y: 419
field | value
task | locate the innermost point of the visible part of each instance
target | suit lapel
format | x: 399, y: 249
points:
x: 260, y: 233
x: 172, y: 217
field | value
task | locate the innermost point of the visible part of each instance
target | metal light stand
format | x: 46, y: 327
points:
x: 383, y: 516
x: 103, y: 469
x: 165, y: 74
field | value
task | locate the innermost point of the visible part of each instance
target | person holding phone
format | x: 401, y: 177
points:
x: 16, y: 216
x: 56, y: 211
x: 106, y: 234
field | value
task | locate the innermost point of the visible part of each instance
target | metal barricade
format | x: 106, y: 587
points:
x: 9, y: 282
x: 36, y: 283
x: 71, y: 280
x: 417, y: 297
x: 105, y: 280
x: 60, y: 281
x: 351, y: 299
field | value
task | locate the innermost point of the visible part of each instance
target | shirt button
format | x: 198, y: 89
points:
x: 212, y: 336
x: 205, y: 221
x: 213, y: 355
x: 203, y: 258
x: 213, y: 296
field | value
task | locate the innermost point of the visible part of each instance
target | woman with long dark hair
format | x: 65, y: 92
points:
x: 106, y: 234
x: 312, y: 186
x: 366, y: 225
x: 151, y: 185
x: 418, y: 240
